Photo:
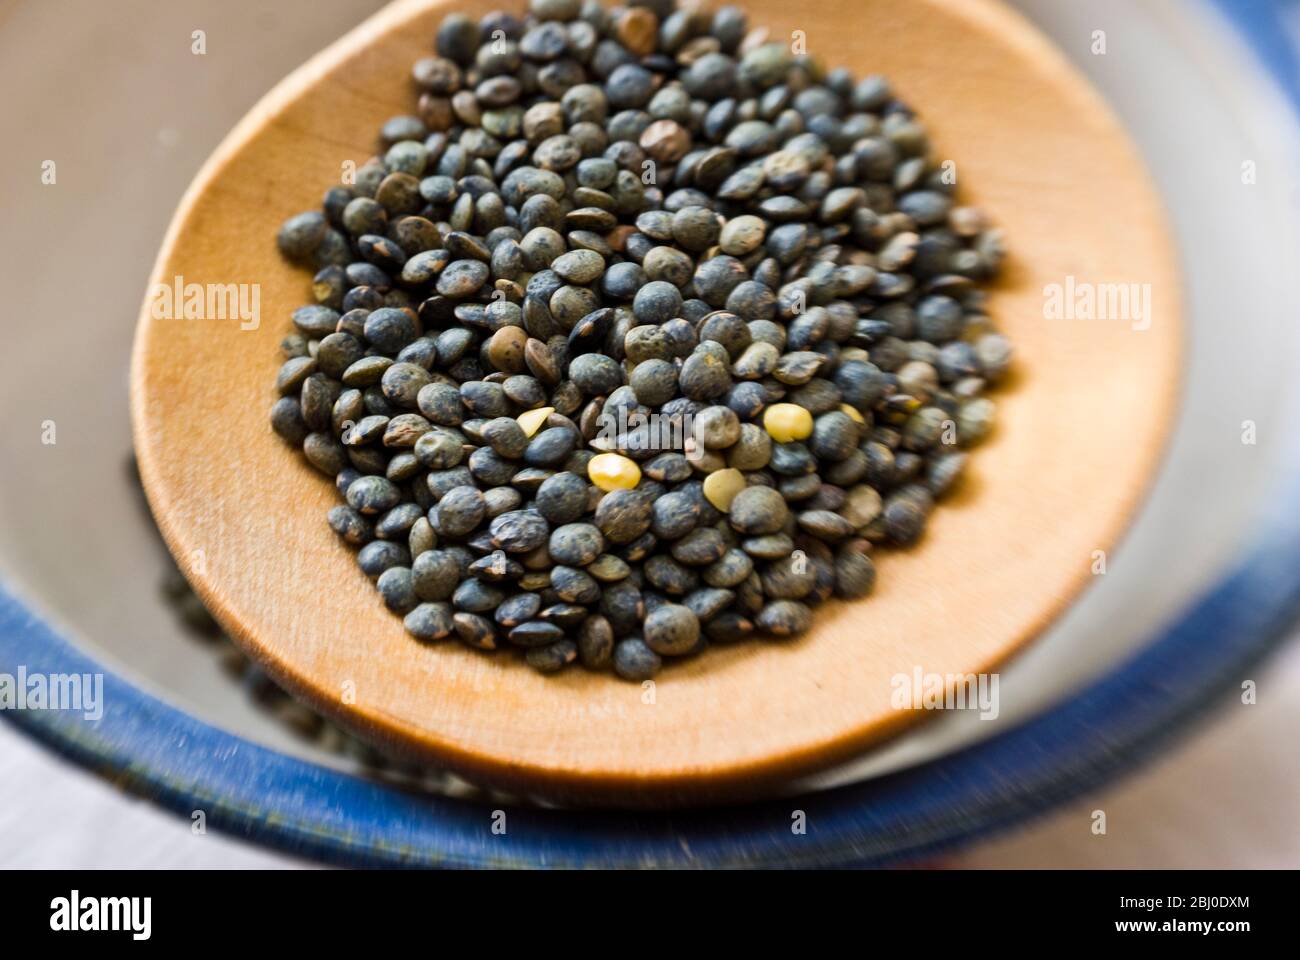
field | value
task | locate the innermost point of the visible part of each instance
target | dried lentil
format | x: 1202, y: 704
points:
x: 796, y: 289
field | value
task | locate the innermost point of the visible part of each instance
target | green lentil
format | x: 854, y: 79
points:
x: 503, y: 255
x: 635, y: 661
x: 576, y: 544
x: 552, y: 658
x: 430, y: 621
x: 855, y: 574
x: 671, y: 630
x: 596, y: 642
x: 758, y: 510
x: 784, y: 618
x: 350, y: 525
x: 396, y: 587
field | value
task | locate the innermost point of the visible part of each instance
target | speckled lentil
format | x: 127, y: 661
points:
x: 506, y: 309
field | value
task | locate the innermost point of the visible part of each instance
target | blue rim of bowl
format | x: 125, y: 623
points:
x: 182, y: 763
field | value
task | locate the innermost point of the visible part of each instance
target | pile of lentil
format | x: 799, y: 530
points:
x: 601, y: 215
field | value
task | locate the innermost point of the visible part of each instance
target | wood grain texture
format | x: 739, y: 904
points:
x: 1081, y: 428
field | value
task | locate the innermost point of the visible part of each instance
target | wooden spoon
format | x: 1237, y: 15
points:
x: 1080, y: 431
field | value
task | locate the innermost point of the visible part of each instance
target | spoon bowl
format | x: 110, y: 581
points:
x: 1080, y: 431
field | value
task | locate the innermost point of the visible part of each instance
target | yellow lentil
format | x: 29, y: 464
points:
x: 787, y: 422
x: 721, y: 487
x: 532, y: 420
x: 613, y: 471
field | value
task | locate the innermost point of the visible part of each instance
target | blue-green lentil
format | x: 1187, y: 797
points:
x: 501, y: 255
